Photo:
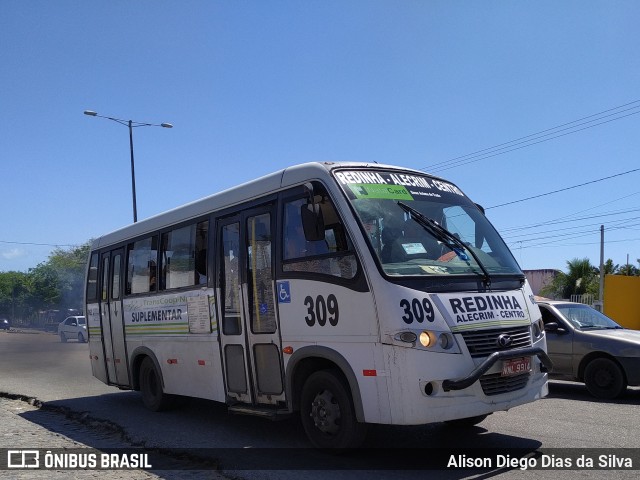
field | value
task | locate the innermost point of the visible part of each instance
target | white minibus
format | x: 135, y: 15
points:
x: 345, y: 293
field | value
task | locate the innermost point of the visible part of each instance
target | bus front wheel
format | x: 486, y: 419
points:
x: 151, y: 387
x: 327, y: 412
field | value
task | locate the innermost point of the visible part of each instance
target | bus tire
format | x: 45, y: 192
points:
x: 604, y: 378
x: 153, y: 396
x: 327, y: 412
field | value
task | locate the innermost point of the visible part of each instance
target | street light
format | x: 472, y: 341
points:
x: 131, y: 124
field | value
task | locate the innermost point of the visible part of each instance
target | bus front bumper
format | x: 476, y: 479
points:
x: 461, y: 383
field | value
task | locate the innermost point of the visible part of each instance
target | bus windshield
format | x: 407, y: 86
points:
x: 420, y: 226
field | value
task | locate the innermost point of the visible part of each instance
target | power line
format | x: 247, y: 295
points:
x: 536, y: 138
x: 524, y: 240
x: 610, y: 225
x: 540, y: 132
x: 598, y: 206
x: 528, y: 144
x: 550, y: 244
x: 40, y: 244
x: 564, y: 220
x: 564, y: 189
x: 563, y: 236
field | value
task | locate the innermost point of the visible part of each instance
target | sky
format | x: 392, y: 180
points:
x: 507, y: 99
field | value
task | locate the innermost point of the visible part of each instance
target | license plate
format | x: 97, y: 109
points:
x: 516, y: 366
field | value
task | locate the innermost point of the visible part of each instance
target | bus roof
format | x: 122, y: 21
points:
x: 271, y: 183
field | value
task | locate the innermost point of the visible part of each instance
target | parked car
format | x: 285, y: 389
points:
x: 73, y: 327
x: 5, y: 324
x: 588, y: 346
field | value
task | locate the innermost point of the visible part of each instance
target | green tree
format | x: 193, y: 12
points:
x: 581, y: 278
x: 57, y: 283
x: 629, y: 270
x: 610, y: 268
x: 14, y: 294
x: 69, y: 267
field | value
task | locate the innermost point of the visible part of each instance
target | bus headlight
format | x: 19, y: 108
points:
x: 428, y: 339
x: 431, y: 339
x: 446, y: 340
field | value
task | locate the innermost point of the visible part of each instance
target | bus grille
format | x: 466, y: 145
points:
x: 482, y: 343
x: 495, y: 383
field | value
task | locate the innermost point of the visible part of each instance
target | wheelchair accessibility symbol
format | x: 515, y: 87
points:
x: 284, y: 295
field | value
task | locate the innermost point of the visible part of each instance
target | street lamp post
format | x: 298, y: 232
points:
x: 131, y: 124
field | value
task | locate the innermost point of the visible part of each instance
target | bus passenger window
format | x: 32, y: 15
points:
x: 183, y: 253
x: 202, y: 240
x: 141, y: 265
x: 105, y: 279
x: 92, y: 278
x: 230, y: 280
x: 333, y: 255
x: 260, y: 285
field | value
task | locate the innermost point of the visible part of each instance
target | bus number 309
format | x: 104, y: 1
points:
x: 321, y: 310
x: 417, y: 310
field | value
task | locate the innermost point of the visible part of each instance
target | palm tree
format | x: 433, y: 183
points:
x: 610, y: 268
x: 575, y: 282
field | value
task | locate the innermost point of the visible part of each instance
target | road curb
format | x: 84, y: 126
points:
x: 19, y: 432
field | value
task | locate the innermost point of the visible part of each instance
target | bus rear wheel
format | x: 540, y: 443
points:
x: 153, y: 396
x: 327, y: 412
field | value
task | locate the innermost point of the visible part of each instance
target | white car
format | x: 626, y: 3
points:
x: 73, y: 327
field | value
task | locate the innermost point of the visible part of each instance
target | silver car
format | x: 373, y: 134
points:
x: 73, y: 327
x: 588, y: 346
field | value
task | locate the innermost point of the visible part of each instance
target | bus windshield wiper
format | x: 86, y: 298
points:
x: 445, y: 236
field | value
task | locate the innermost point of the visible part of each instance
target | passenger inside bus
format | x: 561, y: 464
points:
x: 408, y: 243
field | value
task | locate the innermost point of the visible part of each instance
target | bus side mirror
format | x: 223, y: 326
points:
x: 478, y: 230
x: 311, y: 214
x: 312, y: 222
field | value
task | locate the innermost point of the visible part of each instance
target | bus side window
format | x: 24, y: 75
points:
x: 92, y: 279
x: 183, y: 253
x: 141, y: 265
x: 202, y: 240
x: 230, y: 280
x: 332, y: 255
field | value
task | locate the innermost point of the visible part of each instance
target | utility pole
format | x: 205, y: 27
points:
x: 601, y: 291
x: 131, y: 124
x: 628, y: 269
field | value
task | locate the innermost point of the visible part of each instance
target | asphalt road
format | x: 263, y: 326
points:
x: 565, y: 424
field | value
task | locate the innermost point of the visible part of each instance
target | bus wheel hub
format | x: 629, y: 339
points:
x: 325, y: 412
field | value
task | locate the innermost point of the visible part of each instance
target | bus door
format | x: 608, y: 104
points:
x: 112, y: 317
x: 250, y: 337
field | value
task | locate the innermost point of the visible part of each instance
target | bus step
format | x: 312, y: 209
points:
x: 264, y: 412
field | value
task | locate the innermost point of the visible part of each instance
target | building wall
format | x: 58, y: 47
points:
x: 622, y: 300
x: 539, y: 278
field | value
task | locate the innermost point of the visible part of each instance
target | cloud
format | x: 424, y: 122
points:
x: 13, y: 253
